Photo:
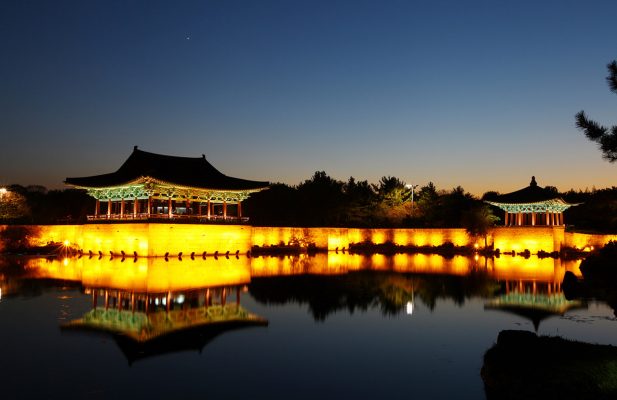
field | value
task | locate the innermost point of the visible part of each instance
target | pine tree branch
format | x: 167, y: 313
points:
x: 608, y: 145
x: 612, y: 77
x: 592, y: 129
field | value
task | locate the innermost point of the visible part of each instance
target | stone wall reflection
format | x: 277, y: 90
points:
x: 326, y: 282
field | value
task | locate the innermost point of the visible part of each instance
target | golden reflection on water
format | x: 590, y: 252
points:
x: 160, y: 275
x: 146, y: 275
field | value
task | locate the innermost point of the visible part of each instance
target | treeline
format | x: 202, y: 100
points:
x: 36, y: 205
x: 598, y: 211
x: 325, y: 201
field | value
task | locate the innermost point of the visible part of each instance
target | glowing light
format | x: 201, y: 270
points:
x: 67, y: 243
x: 180, y: 299
x: 379, y: 237
x: 65, y: 262
x: 409, y: 308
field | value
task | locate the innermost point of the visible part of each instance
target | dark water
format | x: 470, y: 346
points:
x: 334, y: 326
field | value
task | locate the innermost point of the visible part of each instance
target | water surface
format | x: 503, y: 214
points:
x: 330, y: 326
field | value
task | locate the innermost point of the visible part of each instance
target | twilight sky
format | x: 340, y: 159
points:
x: 474, y: 93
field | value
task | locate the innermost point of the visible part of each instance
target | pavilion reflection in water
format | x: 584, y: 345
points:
x: 535, y: 292
x: 153, y: 307
x: 150, y: 305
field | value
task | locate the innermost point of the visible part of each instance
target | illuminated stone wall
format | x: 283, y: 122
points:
x: 532, y: 238
x: 158, y: 239
x: 149, y: 239
x: 333, y: 238
x: 324, y: 238
x: 44, y: 234
x: 585, y: 241
x: 175, y: 238
x: 411, y: 237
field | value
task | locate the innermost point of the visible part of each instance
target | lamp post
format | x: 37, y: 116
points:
x: 2, y: 192
x: 412, y: 187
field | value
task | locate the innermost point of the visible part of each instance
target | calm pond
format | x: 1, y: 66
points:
x: 329, y: 326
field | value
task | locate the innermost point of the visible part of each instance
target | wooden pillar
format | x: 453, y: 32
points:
x: 108, y: 208
x: 122, y: 208
x: 188, y: 205
x: 94, y: 298
x: 224, y: 209
x: 97, y: 208
x: 169, y: 208
x: 239, y: 209
x: 548, y: 218
x: 168, y: 302
x: 106, y: 299
x: 561, y: 222
x: 199, y: 209
x: 135, y: 207
x: 533, y: 219
x: 209, y: 209
x: 149, y: 205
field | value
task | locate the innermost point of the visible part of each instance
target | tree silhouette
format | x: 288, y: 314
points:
x: 394, y: 198
x: 478, y: 221
x: 605, y: 137
x: 13, y: 206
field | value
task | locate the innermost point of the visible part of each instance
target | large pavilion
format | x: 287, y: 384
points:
x: 532, y: 206
x: 156, y: 186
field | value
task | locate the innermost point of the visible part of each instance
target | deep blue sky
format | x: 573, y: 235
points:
x: 477, y: 93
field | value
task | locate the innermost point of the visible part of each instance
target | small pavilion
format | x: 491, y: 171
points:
x: 156, y: 186
x: 532, y: 206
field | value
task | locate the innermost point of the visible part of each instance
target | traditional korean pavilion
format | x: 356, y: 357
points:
x: 532, y: 205
x: 156, y: 186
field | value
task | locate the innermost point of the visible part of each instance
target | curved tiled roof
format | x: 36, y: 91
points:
x: 183, y: 171
x: 531, y: 194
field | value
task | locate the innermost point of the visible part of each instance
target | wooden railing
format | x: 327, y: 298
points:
x: 165, y: 217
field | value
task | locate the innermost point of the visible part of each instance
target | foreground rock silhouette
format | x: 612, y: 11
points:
x: 522, y: 365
